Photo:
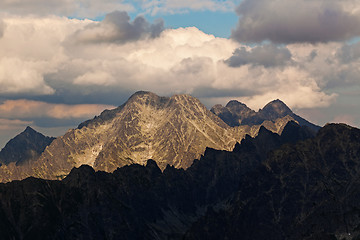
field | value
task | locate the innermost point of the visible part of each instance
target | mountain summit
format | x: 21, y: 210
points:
x: 274, y: 109
x: 233, y: 113
x: 26, y: 146
x: 236, y: 114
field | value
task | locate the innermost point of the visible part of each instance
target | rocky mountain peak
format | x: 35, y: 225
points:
x: 26, y: 146
x: 233, y: 113
x: 236, y: 114
x: 218, y: 108
x: 184, y: 98
x: 29, y: 130
x: 276, y: 108
x: 147, y: 98
x: 236, y: 104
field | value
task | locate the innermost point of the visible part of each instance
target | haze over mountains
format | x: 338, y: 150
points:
x: 171, y: 130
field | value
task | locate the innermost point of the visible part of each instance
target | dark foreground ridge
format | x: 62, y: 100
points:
x: 307, y: 190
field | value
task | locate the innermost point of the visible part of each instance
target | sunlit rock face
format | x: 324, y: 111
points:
x: 170, y: 130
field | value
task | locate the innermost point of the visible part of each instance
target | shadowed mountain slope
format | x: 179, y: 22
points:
x: 27, y: 146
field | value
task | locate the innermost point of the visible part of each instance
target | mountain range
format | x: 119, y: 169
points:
x: 171, y: 130
x: 289, y: 186
x: 168, y: 168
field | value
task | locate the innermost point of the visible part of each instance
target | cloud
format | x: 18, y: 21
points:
x: 74, y: 8
x: 96, y: 8
x: 2, y: 28
x: 31, y: 48
x: 13, y: 124
x: 95, y: 77
x: 349, y: 53
x: 335, y: 66
x: 27, y: 109
x: 348, y: 119
x: 295, y: 21
x: 177, y: 61
x: 297, y: 87
x: 117, y: 28
x: 43, y: 61
x: 267, y: 56
x: 21, y: 76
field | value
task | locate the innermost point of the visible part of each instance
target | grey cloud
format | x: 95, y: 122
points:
x: 69, y: 93
x: 117, y: 28
x: 349, y: 53
x: 210, y: 92
x: 2, y: 28
x: 295, y: 21
x: 52, y: 122
x: 267, y: 56
x: 33, y: 6
x: 312, y: 55
x: 74, y: 8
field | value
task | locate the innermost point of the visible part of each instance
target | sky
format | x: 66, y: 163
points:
x: 65, y: 61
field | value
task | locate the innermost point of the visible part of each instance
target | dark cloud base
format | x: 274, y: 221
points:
x: 117, y: 28
x: 268, y: 56
x: 295, y: 21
